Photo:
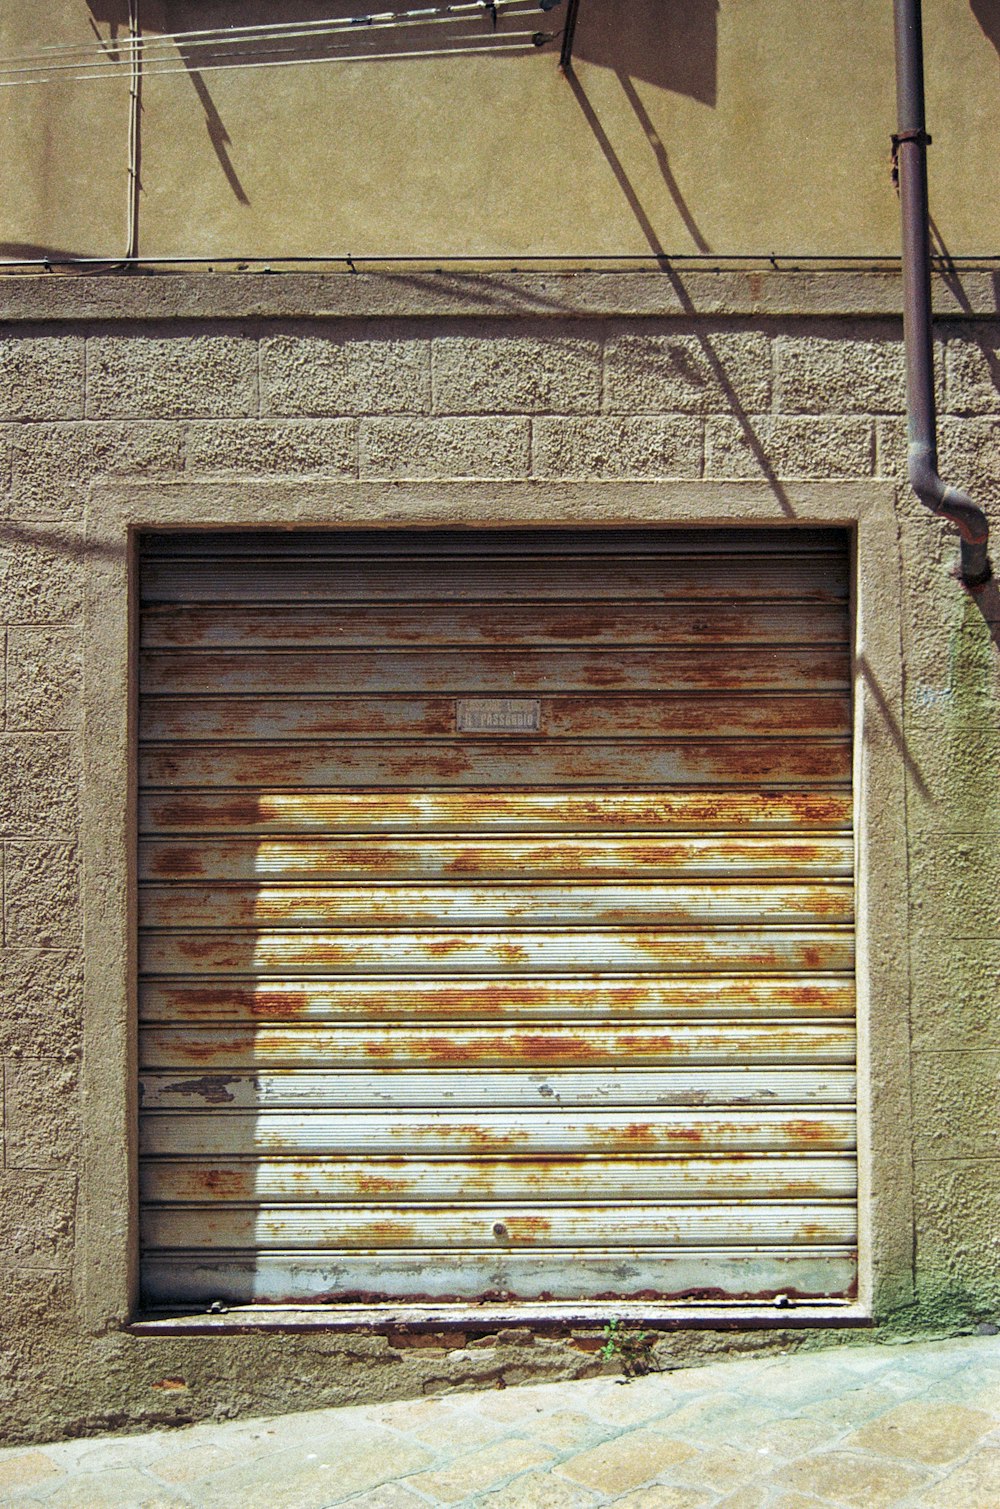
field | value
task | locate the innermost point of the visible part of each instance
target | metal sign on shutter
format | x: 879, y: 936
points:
x: 496, y: 916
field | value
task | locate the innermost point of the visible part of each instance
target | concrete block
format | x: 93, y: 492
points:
x: 5, y: 466
x: 345, y: 374
x: 476, y: 1471
x: 954, y: 991
x: 192, y: 1463
x: 699, y: 372
x: 34, y: 1303
x: 834, y: 373
x: 41, y: 574
x: 39, y: 1210
x: 957, y: 1208
x: 42, y: 895
x: 415, y: 448
x: 956, y: 1105
x: 337, y: 1467
x: 612, y: 446
x: 42, y: 1120
x: 41, y: 1002
x: 968, y: 457
x: 890, y: 452
x: 842, y: 1477
x: 41, y: 377
x: 24, y: 1470
x: 625, y: 1462
x: 190, y: 376
x: 39, y: 786
x: 972, y: 366
x: 936, y: 1432
x: 789, y: 446
x: 44, y: 679
x: 969, y: 1486
x: 52, y: 464
x: 955, y: 882
x: 949, y: 635
x: 516, y: 374
x: 951, y: 766
x: 320, y: 447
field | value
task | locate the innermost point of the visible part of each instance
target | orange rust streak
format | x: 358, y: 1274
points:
x: 378, y: 1048
x: 225, y: 1184
x: 386, y: 1233
x: 511, y: 953
x: 176, y: 859
x: 205, y: 1053
x: 528, y: 1228
x: 808, y: 1131
x: 374, y: 1184
x: 440, y: 948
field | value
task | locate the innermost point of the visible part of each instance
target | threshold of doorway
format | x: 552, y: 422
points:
x: 466, y: 1317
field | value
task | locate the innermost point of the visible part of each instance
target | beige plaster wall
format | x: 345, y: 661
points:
x: 694, y: 126
x: 743, y: 410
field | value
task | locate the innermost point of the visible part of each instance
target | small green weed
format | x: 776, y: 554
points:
x: 632, y: 1350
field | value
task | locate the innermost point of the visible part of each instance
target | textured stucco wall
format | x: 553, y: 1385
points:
x: 681, y: 396
x: 690, y: 126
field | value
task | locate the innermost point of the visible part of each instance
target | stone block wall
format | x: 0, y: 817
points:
x: 511, y: 396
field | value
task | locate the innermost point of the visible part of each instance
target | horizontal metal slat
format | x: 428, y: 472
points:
x: 573, y: 952
x: 507, y: 672
x: 437, y: 1274
x: 816, y: 578
x: 364, y: 624
x: 270, y: 719
x: 400, y: 1045
x: 328, y: 1089
x: 770, y: 1176
x: 265, y: 545
x: 601, y: 998
x: 516, y: 905
x: 733, y: 762
x: 489, y: 810
x: 728, y: 857
x: 487, y: 1134
x: 207, y: 1228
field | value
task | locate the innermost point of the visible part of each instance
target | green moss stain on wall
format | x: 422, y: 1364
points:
x: 955, y: 944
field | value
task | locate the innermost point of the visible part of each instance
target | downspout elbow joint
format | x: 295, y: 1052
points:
x: 958, y: 508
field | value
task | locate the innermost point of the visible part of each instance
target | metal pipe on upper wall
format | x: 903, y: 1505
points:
x: 910, y: 147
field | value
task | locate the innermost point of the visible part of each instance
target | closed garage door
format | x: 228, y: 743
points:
x: 496, y: 916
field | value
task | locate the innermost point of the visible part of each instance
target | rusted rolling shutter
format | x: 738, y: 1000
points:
x: 496, y: 916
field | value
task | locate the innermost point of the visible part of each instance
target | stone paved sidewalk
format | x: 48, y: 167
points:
x: 866, y: 1426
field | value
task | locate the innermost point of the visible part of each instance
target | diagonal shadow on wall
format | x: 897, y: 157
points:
x: 987, y: 13
x: 672, y: 46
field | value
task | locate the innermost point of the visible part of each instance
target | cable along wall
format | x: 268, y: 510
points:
x: 496, y: 916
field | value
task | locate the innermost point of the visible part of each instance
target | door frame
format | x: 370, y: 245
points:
x: 107, y: 1251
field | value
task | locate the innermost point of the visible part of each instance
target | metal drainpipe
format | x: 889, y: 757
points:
x: 910, y: 148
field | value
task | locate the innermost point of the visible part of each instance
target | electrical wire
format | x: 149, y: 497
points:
x: 162, y: 47
x: 427, y: 12
x: 487, y: 45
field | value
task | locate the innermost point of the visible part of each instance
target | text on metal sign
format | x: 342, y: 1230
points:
x: 498, y: 715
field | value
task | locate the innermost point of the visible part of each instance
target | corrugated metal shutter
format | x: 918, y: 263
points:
x: 437, y: 1003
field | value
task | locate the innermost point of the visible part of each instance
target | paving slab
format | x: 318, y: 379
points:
x: 851, y: 1427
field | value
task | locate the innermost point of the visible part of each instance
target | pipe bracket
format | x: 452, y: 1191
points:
x: 919, y: 136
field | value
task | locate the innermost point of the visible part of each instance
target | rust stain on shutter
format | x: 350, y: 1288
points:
x: 496, y: 916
